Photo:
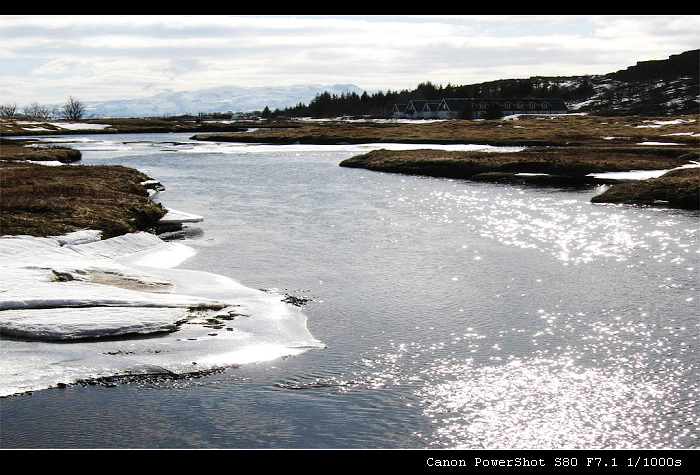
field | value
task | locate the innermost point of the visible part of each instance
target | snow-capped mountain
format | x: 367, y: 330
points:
x: 217, y: 99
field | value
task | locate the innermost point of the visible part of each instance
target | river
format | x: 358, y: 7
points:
x: 454, y: 314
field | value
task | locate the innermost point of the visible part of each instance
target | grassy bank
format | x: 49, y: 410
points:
x: 26, y: 150
x: 562, y: 130
x: 41, y: 200
x: 677, y: 189
x: 562, y: 150
x: 554, y: 166
x: 574, y: 163
x: 16, y: 127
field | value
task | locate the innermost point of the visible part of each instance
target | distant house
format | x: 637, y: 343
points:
x: 417, y: 109
x: 430, y: 110
x: 399, y: 111
x: 477, y: 108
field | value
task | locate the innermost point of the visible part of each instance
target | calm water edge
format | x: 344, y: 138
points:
x: 455, y: 314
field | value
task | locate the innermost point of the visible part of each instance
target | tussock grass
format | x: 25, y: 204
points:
x: 562, y: 161
x: 13, y: 127
x: 43, y: 201
x: 567, y: 130
x: 27, y: 150
x: 676, y: 188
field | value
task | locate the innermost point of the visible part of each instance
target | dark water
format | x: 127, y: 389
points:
x: 455, y: 314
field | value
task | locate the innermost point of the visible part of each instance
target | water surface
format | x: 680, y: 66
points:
x: 455, y: 314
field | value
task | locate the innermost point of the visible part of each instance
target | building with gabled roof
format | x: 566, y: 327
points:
x: 399, y: 111
x: 417, y: 109
x: 430, y: 110
x: 479, y: 108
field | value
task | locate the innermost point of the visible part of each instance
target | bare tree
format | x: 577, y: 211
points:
x: 35, y: 111
x: 8, y: 110
x: 74, y: 109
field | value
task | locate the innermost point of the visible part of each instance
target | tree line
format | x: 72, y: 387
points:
x: 73, y: 109
x: 381, y: 104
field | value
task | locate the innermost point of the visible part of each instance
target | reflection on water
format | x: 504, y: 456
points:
x: 455, y: 314
x: 545, y: 404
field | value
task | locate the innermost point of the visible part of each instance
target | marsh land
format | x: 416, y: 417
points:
x: 559, y: 150
x: 39, y: 199
x: 556, y: 151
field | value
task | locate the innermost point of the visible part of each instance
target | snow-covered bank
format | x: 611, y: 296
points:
x: 76, y: 307
x: 634, y: 175
x: 175, y: 220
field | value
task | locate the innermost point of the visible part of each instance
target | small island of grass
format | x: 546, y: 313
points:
x: 41, y: 200
x: 558, y: 150
x: 676, y: 189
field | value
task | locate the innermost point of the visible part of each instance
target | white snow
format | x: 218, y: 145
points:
x: 215, y: 99
x: 47, y: 163
x: 690, y: 134
x: 79, y: 126
x: 658, y: 143
x: 36, y: 126
x: 173, y: 216
x: 659, y: 123
x: 634, y: 175
x: 76, y: 307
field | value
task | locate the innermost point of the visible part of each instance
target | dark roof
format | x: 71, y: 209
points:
x: 457, y: 104
x: 419, y: 105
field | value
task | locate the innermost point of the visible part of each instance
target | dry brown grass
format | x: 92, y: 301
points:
x: 15, y: 127
x: 562, y: 161
x: 41, y: 200
x: 24, y: 150
x: 677, y: 188
x: 567, y: 130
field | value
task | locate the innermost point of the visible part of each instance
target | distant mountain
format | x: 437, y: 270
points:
x: 217, y: 99
x: 660, y: 87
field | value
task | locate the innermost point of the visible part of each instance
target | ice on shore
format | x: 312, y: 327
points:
x: 76, y: 307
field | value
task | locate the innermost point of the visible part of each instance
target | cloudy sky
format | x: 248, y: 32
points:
x: 47, y: 59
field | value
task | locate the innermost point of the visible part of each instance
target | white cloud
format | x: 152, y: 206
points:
x: 103, y: 57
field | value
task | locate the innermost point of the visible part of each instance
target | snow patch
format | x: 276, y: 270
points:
x: 76, y: 307
x: 658, y: 143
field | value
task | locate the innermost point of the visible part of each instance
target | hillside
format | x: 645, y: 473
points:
x: 664, y: 87
x: 651, y: 88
